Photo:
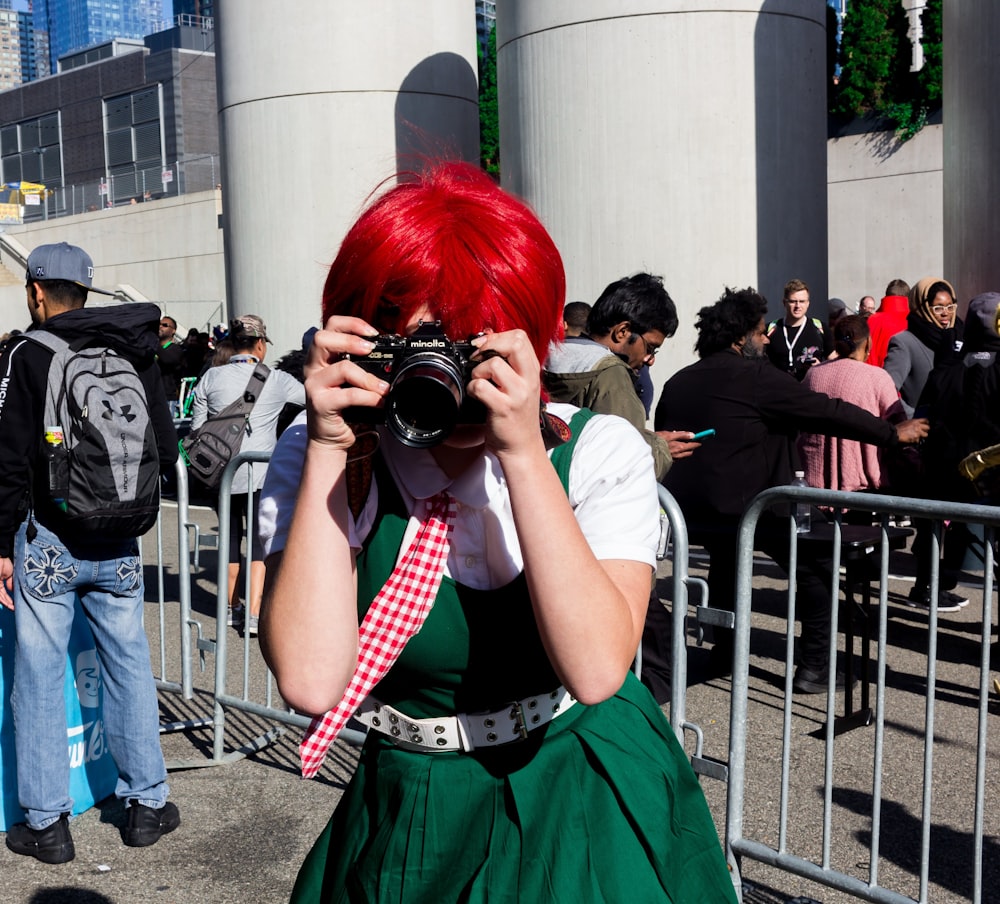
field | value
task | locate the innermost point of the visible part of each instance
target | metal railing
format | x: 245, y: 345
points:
x: 243, y: 684
x: 738, y: 845
x: 141, y: 185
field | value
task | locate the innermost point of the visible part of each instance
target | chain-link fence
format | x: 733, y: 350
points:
x: 134, y: 185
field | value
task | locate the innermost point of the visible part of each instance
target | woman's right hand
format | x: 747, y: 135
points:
x: 334, y: 383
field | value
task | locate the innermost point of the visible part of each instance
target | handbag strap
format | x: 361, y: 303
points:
x: 260, y: 374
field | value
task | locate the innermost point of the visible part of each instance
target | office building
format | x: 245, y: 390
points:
x: 76, y: 24
x: 486, y: 19
x: 204, y: 9
x: 10, y: 47
x: 143, y: 120
x: 35, y: 59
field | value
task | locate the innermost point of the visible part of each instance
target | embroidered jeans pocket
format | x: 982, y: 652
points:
x: 48, y: 571
x: 128, y: 575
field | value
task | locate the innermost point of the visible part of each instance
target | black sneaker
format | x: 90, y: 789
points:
x: 947, y: 601
x: 146, y: 824
x: 53, y: 844
x: 814, y: 681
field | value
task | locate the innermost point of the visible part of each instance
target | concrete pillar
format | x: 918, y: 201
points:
x: 686, y: 138
x: 971, y: 147
x: 318, y: 103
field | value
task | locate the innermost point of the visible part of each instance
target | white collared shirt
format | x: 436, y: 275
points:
x: 612, y: 491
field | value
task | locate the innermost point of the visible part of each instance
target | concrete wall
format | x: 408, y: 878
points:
x: 317, y: 107
x: 885, y: 212
x: 170, y: 250
x: 684, y: 138
x: 972, y: 146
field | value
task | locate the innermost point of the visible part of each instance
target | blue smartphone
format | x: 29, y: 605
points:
x: 704, y: 434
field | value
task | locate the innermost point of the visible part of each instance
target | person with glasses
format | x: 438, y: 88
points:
x: 796, y: 342
x: 933, y: 335
x: 604, y: 370
x: 933, y: 331
x: 170, y: 359
x: 599, y: 370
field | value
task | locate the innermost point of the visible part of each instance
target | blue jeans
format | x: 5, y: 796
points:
x: 49, y: 580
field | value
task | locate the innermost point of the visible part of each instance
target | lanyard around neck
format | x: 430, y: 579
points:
x: 798, y: 332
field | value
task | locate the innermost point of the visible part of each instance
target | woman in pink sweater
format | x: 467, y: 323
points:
x: 845, y: 464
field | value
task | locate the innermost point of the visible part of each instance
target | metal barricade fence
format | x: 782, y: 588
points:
x: 230, y: 695
x: 190, y: 543
x: 674, y: 545
x: 163, y: 654
x: 738, y: 845
x: 270, y: 707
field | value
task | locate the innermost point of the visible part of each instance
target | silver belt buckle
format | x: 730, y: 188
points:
x: 517, y: 716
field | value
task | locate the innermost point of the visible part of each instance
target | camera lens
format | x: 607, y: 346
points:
x: 423, y: 404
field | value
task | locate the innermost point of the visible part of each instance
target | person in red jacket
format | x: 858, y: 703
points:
x: 889, y: 319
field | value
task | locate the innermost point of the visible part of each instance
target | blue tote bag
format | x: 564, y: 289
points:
x: 92, y: 774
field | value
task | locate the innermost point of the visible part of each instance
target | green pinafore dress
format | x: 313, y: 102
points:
x: 599, y: 805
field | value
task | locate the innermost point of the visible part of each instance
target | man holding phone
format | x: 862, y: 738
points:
x: 599, y: 370
x: 757, y: 412
x: 626, y: 328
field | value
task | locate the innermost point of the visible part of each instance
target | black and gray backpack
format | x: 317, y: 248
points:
x: 105, y: 477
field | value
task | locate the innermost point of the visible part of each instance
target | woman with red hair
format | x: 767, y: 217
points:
x: 473, y: 593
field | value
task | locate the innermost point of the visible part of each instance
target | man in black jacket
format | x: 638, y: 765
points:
x: 756, y: 411
x: 47, y: 570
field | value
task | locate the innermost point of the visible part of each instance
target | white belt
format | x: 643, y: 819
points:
x: 466, y: 731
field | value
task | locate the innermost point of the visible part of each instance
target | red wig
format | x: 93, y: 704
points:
x: 451, y: 239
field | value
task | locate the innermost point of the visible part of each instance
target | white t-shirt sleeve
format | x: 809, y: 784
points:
x: 281, y: 490
x: 281, y: 487
x: 612, y: 489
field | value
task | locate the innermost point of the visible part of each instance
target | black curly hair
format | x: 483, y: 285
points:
x: 734, y: 316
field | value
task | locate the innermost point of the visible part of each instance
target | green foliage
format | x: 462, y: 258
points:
x: 930, y: 76
x: 489, y: 120
x: 875, y: 57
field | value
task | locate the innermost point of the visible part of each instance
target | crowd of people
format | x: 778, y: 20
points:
x: 400, y: 573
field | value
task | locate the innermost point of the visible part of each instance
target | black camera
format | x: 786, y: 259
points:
x: 427, y: 374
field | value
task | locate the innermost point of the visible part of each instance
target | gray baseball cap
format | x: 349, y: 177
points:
x: 63, y: 261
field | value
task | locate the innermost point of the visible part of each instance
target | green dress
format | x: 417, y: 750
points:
x: 599, y: 805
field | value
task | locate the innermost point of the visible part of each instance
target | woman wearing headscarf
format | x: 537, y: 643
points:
x: 962, y: 400
x: 933, y: 333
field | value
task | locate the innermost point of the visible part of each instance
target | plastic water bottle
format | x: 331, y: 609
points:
x: 58, y: 465
x: 803, y: 513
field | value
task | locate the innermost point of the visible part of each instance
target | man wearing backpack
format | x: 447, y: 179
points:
x: 68, y: 539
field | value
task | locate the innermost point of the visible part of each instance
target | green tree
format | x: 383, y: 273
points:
x: 929, y: 78
x: 875, y: 54
x: 489, y: 120
x: 874, y: 57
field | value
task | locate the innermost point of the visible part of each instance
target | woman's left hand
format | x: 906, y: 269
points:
x: 508, y: 382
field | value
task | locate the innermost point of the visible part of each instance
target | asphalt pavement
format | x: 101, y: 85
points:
x: 248, y: 822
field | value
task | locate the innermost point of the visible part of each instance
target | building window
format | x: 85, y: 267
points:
x: 30, y: 151
x: 134, y: 144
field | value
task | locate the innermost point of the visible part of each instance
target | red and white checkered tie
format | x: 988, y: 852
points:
x: 395, y: 615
